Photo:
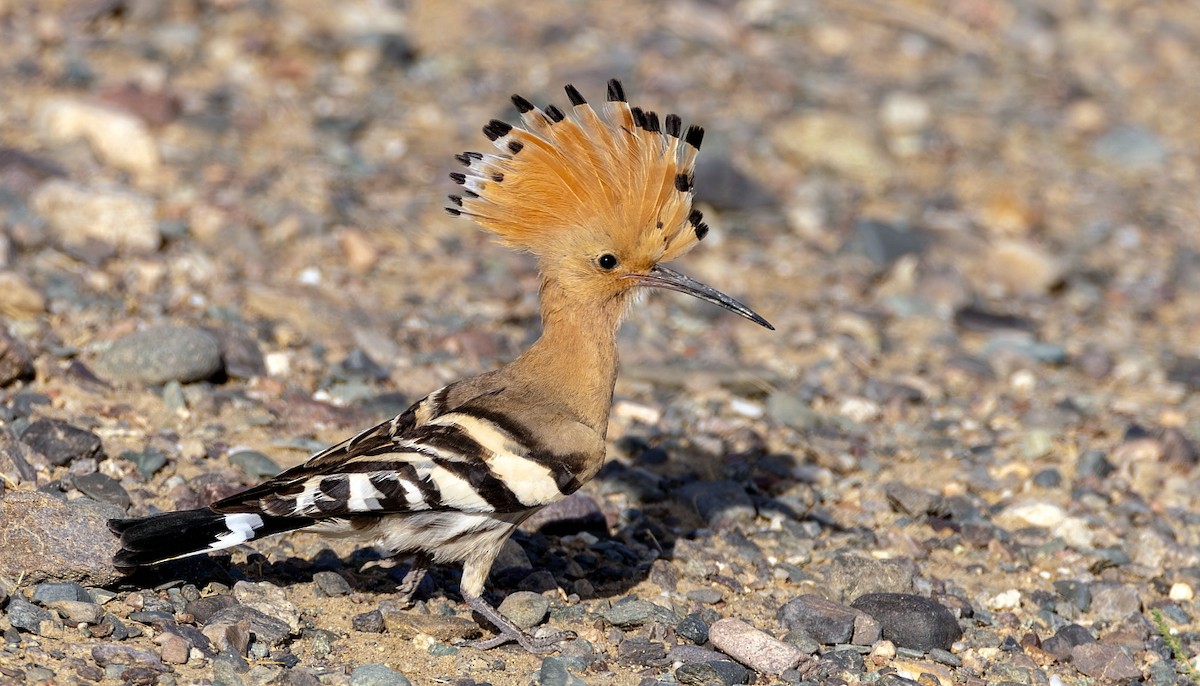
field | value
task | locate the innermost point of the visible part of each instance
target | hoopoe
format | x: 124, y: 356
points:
x: 602, y: 202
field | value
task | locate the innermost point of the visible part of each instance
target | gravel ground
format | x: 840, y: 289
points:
x: 967, y: 456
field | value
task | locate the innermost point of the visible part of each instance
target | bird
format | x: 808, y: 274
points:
x: 601, y: 199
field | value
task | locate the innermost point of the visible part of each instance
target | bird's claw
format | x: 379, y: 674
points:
x: 538, y: 645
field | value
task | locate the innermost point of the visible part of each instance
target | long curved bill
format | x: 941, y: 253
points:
x: 661, y: 277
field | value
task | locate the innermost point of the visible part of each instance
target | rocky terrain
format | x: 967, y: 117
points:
x: 966, y: 456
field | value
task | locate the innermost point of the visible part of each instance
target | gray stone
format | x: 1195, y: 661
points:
x: 911, y: 621
x: 1065, y: 640
x: 640, y: 651
x: 850, y: 576
x: 1078, y: 593
x: 254, y: 464
x: 375, y: 674
x: 633, y: 612
x: 754, y: 648
x: 368, y: 622
x: 39, y: 675
x: 525, y: 608
x: 716, y: 673
x: 160, y: 354
x: 46, y: 593
x: 805, y: 643
x: 107, y: 654
x: 1113, y: 602
x: 332, y: 584
x: 264, y: 627
x: 823, y: 620
x: 59, y: 442
x: 693, y: 628
x: 691, y: 653
x: 707, y: 596
x: 102, y: 487
x: 204, y: 608
x: 30, y: 618
x: 147, y: 461
x: 910, y: 500
x: 553, y: 672
x: 228, y: 667
x: 1104, y: 661
x: 721, y: 504
x: 43, y: 538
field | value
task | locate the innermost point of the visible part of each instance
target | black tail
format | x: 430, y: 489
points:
x: 161, y: 537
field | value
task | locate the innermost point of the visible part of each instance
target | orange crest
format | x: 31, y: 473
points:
x: 570, y: 178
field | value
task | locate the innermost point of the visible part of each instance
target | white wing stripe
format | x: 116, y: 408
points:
x: 363, y: 494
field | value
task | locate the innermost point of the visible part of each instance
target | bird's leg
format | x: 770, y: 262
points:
x: 413, y: 578
x: 538, y: 645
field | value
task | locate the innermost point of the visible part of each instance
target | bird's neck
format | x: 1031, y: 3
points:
x: 574, y: 362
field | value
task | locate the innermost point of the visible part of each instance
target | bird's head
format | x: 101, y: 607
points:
x: 601, y: 200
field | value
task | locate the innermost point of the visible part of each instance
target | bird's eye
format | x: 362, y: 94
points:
x: 607, y: 261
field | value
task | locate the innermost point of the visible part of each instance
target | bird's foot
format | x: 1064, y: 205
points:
x: 510, y: 633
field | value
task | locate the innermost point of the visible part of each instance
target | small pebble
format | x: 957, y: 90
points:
x: 526, y: 609
x: 368, y: 622
x: 911, y: 621
x: 1113, y: 602
x: 254, y: 464
x: 147, y: 462
x: 707, y: 596
x: 640, y: 651
x: 754, y: 648
x: 1104, y: 661
x: 553, y: 672
x: 823, y: 620
x: 1181, y: 591
x: 160, y: 354
x: 46, y: 593
x: 332, y: 584
x: 882, y: 652
x: 375, y: 674
x: 717, y: 672
x: 634, y: 612
x: 102, y: 487
x: 693, y: 628
x: 59, y: 442
x: 30, y: 618
x: 1078, y: 593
